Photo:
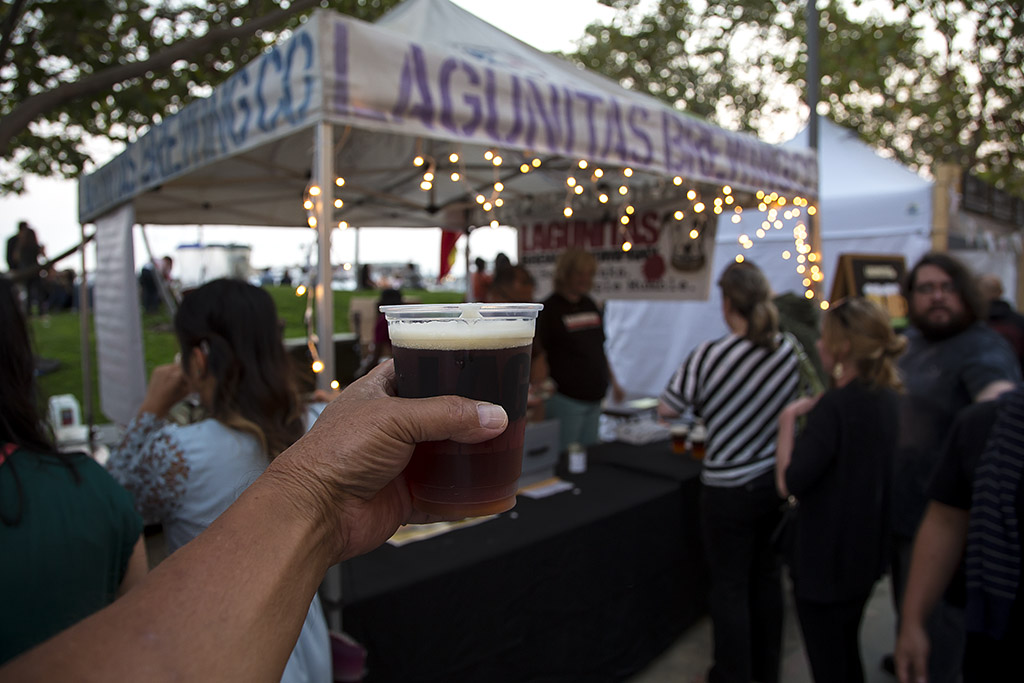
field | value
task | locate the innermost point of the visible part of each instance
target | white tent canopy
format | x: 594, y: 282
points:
x: 868, y: 204
x: 346, y: 107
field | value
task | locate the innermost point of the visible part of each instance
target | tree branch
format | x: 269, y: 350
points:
x: 35, y: 106
x: 10, y: 22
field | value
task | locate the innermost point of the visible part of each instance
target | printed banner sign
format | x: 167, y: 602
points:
x: 481, y: 94
x: 269, y: 98
x: 122, y: 369
x: 378, y: 80
x: 667, y: 258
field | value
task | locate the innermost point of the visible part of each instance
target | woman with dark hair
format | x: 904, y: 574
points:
x: 70, y: 536
x: 185, y: 476
x: 738, y: 385
x: 839, y: 467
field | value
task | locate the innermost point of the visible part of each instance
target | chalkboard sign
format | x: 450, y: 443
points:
x: 876, y: 277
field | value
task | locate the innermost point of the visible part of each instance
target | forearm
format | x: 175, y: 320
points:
x: 784, y: 450
x: 938, y: 548
x: 238, y: 587
x: 666, y: 411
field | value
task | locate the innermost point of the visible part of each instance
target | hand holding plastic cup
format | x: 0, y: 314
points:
x: 480, y: 351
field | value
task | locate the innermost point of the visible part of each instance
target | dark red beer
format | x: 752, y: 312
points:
x: 480, y: 478
x: 484, y: 359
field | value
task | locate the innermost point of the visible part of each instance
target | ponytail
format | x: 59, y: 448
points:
x: 747, y: 290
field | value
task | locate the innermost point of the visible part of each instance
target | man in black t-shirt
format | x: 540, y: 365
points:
x: 952, y: 360
x: 939, y: 548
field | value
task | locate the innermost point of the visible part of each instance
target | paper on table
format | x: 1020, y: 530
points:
x: 545, y: 488
x: 411, y: 533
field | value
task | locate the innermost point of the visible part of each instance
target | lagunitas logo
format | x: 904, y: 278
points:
x: 592, y: 234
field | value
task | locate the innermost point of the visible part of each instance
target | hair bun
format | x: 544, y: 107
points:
x: 896, y: 346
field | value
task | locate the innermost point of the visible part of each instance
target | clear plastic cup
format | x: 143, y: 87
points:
x: 480, y: 351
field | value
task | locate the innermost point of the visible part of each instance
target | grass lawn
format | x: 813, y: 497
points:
x: 58, y: 337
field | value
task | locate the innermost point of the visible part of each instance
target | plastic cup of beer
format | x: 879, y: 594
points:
x: 698, y: 441
x: 480, y: 351
x: 679, y: 434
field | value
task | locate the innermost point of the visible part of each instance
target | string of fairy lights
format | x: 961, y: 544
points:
x: 586, y: 185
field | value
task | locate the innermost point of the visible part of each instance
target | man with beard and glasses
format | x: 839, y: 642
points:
x: 953, y: 360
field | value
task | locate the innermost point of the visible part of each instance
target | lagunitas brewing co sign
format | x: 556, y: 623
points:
x: 667, y: 257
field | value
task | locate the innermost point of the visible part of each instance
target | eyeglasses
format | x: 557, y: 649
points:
x: 930, y: 288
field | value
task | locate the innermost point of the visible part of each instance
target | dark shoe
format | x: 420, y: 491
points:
x: 889, y: 664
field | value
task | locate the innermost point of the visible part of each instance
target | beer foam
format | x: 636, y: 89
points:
x: 456, y: 334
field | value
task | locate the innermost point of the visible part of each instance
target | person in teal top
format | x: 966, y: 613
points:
x: 70, y: 537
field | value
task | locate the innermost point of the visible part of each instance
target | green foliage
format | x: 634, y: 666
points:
x: 71, y: 70
x: 58, y: 337
x: 930, y: 81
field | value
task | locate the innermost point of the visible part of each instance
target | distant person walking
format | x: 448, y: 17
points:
x: 480, y: 281
x: 1001, y: 315
x: 23, y: 252
x: 12, y: 247
x: 150, y: 278
x: 366, y: 277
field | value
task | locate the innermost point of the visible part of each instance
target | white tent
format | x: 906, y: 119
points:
x: 350, y: 117
x: 869, y: 204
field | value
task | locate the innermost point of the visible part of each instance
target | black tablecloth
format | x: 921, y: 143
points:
x: 587, y: 585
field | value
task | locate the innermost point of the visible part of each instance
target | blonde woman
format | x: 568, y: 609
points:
x: 571, y: 332
x: 838, y: 468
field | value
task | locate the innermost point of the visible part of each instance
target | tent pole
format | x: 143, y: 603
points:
x: 468, y: 289
x: 86, y: 347
x: 813, y: 95
x: 323, y: 177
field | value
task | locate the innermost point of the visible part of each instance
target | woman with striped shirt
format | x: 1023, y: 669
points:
x: 738, y: 385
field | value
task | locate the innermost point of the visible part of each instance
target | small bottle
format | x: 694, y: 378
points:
x: 577, y: 458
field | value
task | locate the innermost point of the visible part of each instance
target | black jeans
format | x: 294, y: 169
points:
x: 746, y: 582
x: 831, y: 632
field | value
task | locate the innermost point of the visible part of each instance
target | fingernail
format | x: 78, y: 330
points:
x: 490, y: 415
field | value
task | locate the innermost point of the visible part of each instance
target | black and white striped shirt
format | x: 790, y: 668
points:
x: 739, y: 389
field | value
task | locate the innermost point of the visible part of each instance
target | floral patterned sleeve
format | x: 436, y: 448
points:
x: 150, y: 463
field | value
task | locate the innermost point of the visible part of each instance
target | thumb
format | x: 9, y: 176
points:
x: 447, y: 417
